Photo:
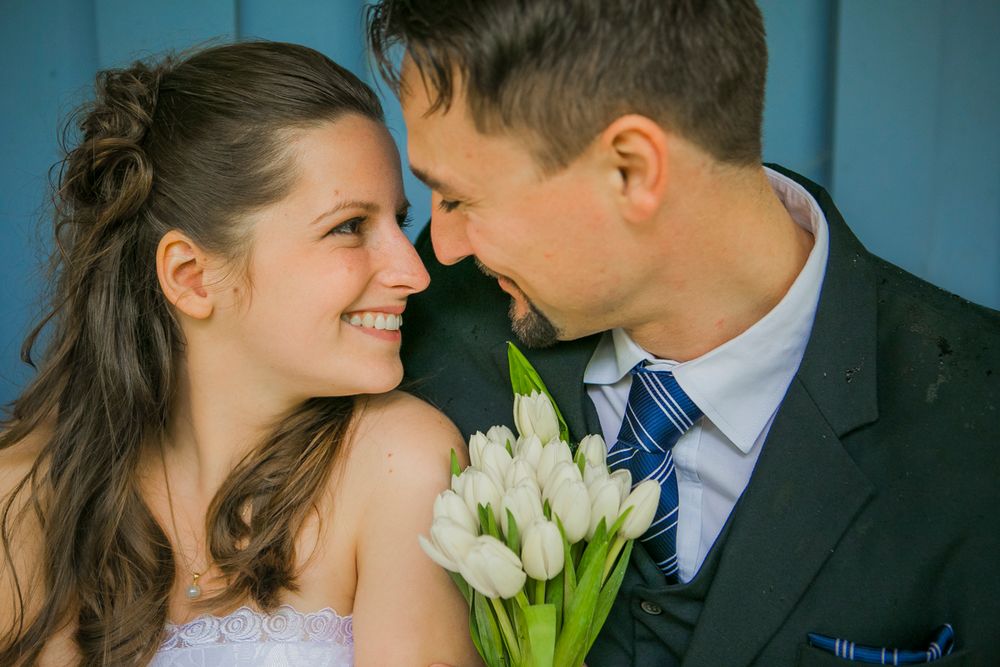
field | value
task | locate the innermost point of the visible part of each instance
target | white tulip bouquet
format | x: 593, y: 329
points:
x: 535, y: 535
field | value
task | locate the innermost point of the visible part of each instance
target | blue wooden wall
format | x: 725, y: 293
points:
x: 893, y: 105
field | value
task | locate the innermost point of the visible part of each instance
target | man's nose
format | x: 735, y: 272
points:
x: 449, y: 237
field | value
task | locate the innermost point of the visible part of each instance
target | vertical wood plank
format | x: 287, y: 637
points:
x: 127, y: 30
x: 49, y: 55
x: 917, y: 144
x: 798, y: 107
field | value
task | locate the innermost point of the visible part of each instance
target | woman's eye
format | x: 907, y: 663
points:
x: 449, y: 205
x: 404, y: 220
x: 348, y: 227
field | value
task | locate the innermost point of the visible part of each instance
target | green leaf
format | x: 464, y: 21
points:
x: 607, y: 597
x: 513, y: 536
x: 569, y: 570
x: 474, y: 631
x: 488, y: 522
x: 540, y: 620
x: 616, y: 526
x: 600, y: 537
x: 580, y: 613
x: 554, y: 596
x: 463, y: 586
x: 490, y: 641
x: 524, y: 379
x: 456, y: 469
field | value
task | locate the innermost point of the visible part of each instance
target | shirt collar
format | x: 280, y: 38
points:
x: 740, y: 384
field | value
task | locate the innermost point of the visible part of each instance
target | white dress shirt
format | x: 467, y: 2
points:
x: 738, y: 386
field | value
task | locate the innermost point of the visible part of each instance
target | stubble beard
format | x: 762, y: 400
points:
x: 533, y: 328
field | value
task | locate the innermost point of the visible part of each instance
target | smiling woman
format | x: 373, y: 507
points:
x: 207, y: 467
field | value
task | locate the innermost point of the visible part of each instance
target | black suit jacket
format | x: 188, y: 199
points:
x: 874, y: 511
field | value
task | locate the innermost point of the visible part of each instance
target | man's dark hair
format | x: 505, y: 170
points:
x: 560, y: 72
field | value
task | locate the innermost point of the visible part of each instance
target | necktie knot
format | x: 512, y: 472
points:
x: 657, y: 413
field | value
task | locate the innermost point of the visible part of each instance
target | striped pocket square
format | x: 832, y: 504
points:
x: 941, y: 645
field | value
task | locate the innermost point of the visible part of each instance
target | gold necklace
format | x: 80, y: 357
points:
x: 193, y: 591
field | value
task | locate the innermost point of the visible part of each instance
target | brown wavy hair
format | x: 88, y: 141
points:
x: 191, y: 143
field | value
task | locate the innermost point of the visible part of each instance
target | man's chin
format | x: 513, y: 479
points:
x: 532, y: 327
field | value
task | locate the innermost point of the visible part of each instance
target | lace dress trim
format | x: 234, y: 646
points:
x: 246, y: 625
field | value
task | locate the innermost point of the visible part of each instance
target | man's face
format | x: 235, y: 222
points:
x: 546, y: 238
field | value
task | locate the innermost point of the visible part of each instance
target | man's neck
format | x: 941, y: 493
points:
x: 745, y: 251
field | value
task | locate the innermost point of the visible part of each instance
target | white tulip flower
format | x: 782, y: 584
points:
x: 592, y: 473
x: 457, y: 483
x: 643, y: 500
x: 563, y: 471
x: 450, y: 504
x: 478, y: 488
x: 623, y: 478
x: 552, y: 454
x: 594, y: 450
x: 524, y: 503
x: 492, y: 569
x: 529, y: 448
x: 571, y: 503
x: 501, y: 435
x: 449, y: 543
x: 495, y: 461
x: 605, y: 503
x: 477, y: 443
x: 535, y: 414
x: 542, y: 550
x: 520, y: 472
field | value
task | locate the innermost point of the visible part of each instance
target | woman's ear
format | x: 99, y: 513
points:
x: 180, y: 267
x: 638, y: 149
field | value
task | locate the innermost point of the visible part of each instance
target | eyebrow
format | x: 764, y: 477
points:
x: 366, y: 206
x: 432, y: 182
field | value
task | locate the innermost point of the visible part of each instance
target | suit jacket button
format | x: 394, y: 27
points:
x: 651, y: 608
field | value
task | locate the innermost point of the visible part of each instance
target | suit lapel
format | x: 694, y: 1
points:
x: 782, y: 534
x: 806, y: 490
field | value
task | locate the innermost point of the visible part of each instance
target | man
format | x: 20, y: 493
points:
x: 834, y: 467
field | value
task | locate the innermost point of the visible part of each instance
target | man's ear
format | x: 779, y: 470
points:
x: 180, y: 267
x: 638, y: 150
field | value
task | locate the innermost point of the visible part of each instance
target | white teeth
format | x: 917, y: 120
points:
x: 373, y: 320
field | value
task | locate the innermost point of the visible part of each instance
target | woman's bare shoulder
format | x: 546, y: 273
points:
x: 21, y: 554
x: 400, y: 432
x: 18, y: 459
x: 398, y: 444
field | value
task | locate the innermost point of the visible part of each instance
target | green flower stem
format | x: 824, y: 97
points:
x: 507, y: 629
x: 540, y: 591
x: 522, y: 600
x: 616, y: 548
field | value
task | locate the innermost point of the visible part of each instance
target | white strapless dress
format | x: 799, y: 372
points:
x: 246, y: 638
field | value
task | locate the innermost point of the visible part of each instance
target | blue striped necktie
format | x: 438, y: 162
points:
x: 657, y: 414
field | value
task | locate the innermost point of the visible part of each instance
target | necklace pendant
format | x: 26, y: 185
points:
x: 193, y: 591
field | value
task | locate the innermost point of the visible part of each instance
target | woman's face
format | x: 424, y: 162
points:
x: 330, y: 270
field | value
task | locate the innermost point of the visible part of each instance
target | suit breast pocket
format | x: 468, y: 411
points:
x: 810, y: 656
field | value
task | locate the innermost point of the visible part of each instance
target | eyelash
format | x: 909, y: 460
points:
x: 449, y: 205
x: 352, y: 226
x: 347, y: 227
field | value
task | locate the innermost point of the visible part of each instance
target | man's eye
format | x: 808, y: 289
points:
x: 449, y: 205
x: 348, y: 227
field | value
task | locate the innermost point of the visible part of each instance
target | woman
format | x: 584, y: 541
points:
x: 207, y: 468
